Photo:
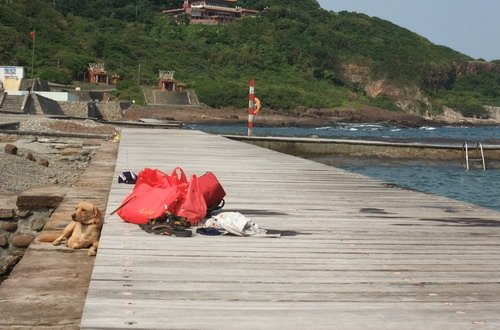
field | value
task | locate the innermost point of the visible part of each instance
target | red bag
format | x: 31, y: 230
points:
x: 193, y: 205
x: 150, y: 202
x: 211, y: 189
x: 152, y: 178
x: 154, y: 193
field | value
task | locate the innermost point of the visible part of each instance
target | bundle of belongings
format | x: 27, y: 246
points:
x: 169, y: 205
x: 156, y: 193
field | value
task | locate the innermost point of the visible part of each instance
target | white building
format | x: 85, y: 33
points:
x: 11, y: 77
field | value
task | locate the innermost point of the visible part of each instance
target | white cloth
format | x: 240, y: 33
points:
x: 236, y: 224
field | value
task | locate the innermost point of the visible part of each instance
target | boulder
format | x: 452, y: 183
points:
x: 11, y: 227
x: 23, y: 214
x: 10, y: 149
x: 44, y: 162
x: 4, y: 242
x: 37, y: 224
x: 30, y: 157
x: 6, y: 213
x: 22, y: 241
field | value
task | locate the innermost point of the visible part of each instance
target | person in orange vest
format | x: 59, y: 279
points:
x: 257, y: 106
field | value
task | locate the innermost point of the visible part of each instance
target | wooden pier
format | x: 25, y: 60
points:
x: 354, y: 252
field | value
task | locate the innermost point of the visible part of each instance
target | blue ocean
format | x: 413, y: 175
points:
x: 461, y: 134
x: 442, y: 178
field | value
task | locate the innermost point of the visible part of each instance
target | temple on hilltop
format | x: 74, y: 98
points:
x: 97, y: 74
x: 166, y: 81
x: 210, y: 12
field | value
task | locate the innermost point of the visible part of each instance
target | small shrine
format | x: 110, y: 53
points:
x: 97, y: 74
x: 114, y: 79
x: 166, y: 81
x: 210, y: 12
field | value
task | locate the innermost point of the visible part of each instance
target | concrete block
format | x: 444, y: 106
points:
x: 41, y: 197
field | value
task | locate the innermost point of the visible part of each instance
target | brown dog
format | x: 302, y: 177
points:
x: 85, y: 229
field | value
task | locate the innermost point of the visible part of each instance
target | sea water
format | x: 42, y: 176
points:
x: 445, y: 178
x: 474, y: 186
x: 460, y: 134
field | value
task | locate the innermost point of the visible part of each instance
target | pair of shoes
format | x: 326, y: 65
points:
x: 171, y: 231
x: 210, y: 231
x: 177, y: 221
x: 159, y: 227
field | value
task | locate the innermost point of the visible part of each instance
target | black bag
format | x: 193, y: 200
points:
x: 127, y: 177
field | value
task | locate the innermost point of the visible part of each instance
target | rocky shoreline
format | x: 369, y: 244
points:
x: 303, y: 117
x: 32, y: 164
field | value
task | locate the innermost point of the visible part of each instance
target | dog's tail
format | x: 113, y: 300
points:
x: 47, y: 237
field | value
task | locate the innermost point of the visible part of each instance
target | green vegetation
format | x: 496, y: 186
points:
x: 296, y: 51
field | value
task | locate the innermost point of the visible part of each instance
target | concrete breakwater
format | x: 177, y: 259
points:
x: 310, y: 147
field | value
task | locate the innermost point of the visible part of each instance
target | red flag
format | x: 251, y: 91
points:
x: 32, y: 35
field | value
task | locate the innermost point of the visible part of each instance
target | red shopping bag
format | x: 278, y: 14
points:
x: 151, y: 177
x: 154, y: 193
x: 192, y: 206
x: 150, y: 202
x: 212, y: 190
x: 156, y: 178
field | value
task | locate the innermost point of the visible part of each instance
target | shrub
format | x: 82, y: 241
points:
x: 467, y: 106
x: 55, y: 75
x: 384, y: 103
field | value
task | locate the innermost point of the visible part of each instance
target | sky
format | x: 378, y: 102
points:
x: 471, y: 27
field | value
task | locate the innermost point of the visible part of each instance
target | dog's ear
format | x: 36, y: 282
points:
x: 97, y: 216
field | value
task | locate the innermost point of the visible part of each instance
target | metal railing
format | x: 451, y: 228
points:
x: 479, y: 152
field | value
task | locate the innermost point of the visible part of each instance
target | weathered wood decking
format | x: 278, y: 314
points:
x: 354, y: 252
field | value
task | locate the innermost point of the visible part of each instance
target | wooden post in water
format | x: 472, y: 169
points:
x: 251, y: 106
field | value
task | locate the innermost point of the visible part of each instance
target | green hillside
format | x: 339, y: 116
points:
x: 299, y: 54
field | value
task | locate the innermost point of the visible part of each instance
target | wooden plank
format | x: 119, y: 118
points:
x: 354, y: 253
x: 149, y: 313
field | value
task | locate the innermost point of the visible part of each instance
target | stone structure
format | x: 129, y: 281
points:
x: 21, y: 222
